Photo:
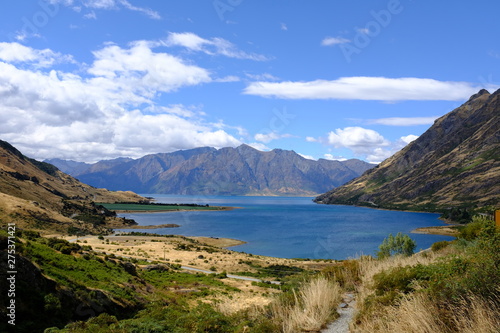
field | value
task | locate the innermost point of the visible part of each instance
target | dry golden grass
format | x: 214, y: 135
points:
x: 369, y: 267
x: 314, y: 306
x: 416, y: 313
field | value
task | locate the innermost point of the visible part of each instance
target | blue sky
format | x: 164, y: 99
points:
x: 99, y: 79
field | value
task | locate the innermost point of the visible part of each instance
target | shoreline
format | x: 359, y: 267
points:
x: 219, y: 209
x: 159, y: 226
x: 445, y: 230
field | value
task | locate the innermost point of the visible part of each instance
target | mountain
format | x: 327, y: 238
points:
x: 38, y: 195
x: 455, y: 163
x: 227, y: 171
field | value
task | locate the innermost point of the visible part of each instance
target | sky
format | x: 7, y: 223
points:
x: 88, y: 80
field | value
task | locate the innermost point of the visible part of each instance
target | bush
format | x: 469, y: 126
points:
x: 439, y: 245
x: 401, y: 244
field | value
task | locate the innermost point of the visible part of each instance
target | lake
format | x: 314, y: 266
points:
x: 291, y: 227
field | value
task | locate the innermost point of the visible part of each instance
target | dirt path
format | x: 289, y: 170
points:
x: 346, y: 311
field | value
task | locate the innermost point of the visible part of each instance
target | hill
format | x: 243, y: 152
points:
x: 455, y: 163
x: 38, y: 195
x: 227, y: 171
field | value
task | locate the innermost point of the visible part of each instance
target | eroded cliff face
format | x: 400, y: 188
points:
x: 456, y: 162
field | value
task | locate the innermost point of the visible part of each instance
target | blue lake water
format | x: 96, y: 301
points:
x: 291, y: 227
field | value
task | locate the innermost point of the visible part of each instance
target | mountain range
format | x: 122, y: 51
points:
x: 209, y: 171
x: 455, y: 163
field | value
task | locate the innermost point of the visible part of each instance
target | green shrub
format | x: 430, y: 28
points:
x: 439, y: 245
x: 401, y: 244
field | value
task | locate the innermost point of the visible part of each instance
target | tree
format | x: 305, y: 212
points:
x: 401, y: 244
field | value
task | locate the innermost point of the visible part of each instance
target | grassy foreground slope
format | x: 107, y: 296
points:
x: 455, y: 287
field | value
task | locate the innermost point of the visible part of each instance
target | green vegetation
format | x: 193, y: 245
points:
x: 148, y: 207
x: 459, y: 288
x: 399, y: 245
x: 79, y: 290
x: 271, y: 271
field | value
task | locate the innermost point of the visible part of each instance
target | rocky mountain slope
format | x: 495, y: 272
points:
x: 227, y: 171
x: 37, y: 195
x: 455, y: 163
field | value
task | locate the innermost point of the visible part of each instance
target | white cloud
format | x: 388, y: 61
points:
x: 17, y: 53
x: 330, y: 157
x: 330, y: 41
x: 214, y: 46
x: 262, y: 77
x: 107, y: 112
x: 90, y: 15
x: 149, y: 12
x: 356, y: 138
x: 307, y: 157
x: 409, y: 138
x: 378, y: 155
x: 404, y: 121
x: 77, y: 5
x: 139, y: 70
x: 268, y: 137
x: 283, y: 27
x: 311, y: 139
x: 259, y: 146
x: 364, y: 143
x: 365, y: 88
x: 364, y: 30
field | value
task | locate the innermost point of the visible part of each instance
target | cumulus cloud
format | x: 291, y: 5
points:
x: 364, y: 143
x: 365, y: 88
x: 18, y: 53
x: 356, y: 138
x: 409, y: 138
x: 213, y: 46
x: 109, y: 111
x: 139, y: 69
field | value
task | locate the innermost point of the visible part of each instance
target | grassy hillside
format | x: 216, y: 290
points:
x: 454, y: 287
x: 36, y: 195
x: 455, y: 163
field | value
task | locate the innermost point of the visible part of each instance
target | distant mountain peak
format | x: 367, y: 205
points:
x: 244, y: 146
x: 479, y: 94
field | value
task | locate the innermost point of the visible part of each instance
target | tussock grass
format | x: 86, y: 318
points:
x: 417, y: 313
x: 454, y: 289
x: 309, y: 309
